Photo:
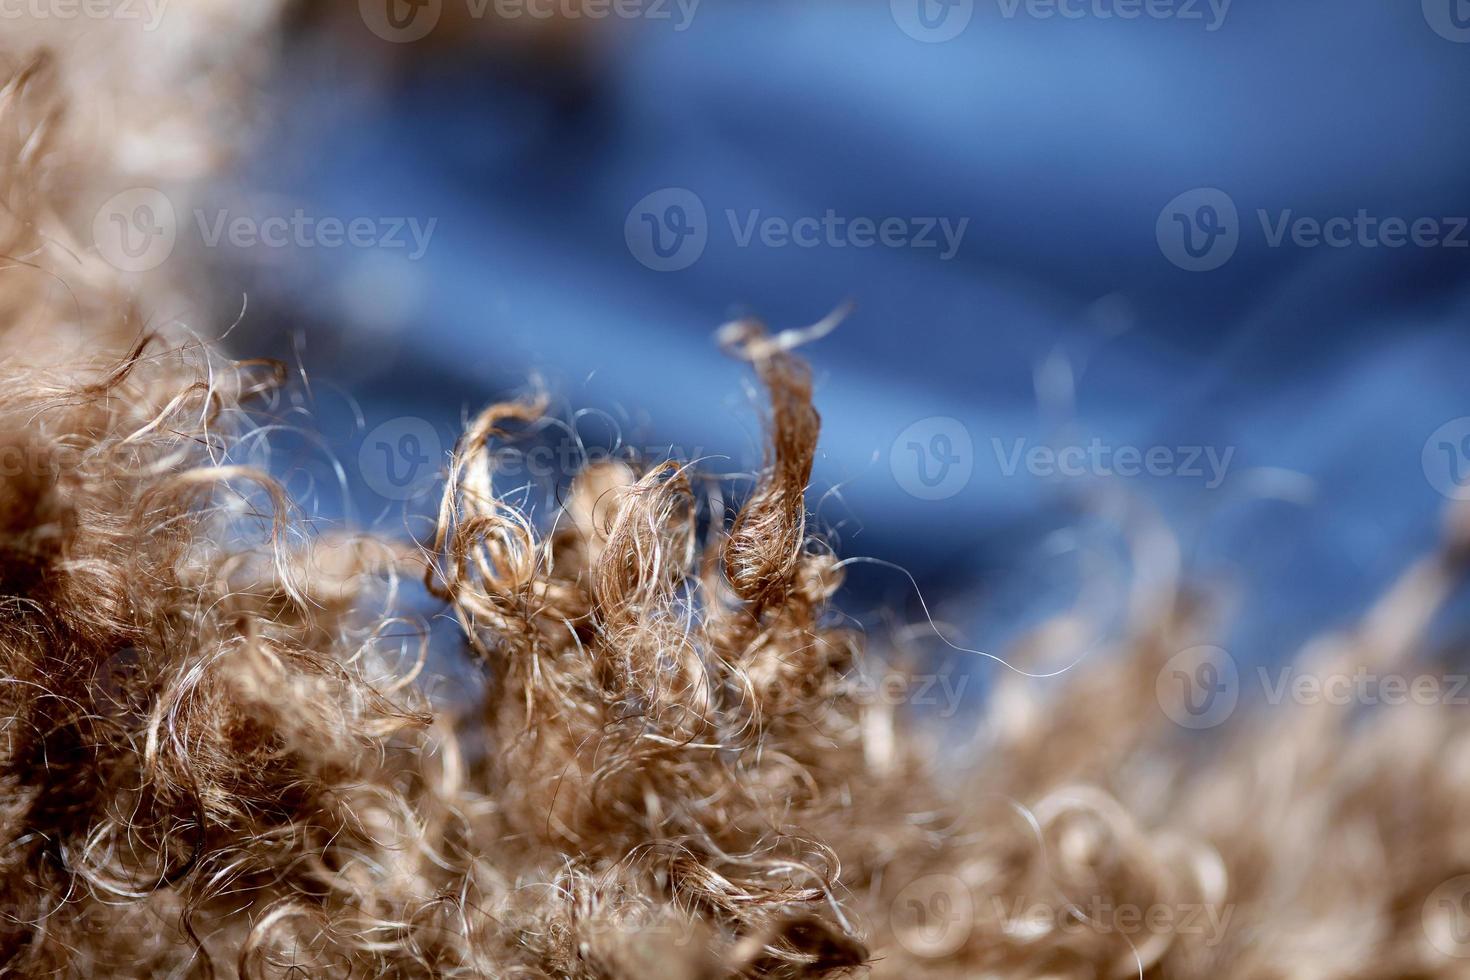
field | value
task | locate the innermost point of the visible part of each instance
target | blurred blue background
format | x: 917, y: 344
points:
x: 1068, y: 149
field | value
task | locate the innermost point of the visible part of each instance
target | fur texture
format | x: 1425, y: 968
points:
x: 216, y: 757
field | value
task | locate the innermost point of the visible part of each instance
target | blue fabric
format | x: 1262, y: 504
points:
x: 1061, y: 141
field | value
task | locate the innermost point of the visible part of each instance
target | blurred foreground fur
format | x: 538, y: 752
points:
x: 215, y: 760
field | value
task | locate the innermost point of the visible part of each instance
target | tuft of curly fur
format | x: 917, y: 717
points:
x: 216, y: 758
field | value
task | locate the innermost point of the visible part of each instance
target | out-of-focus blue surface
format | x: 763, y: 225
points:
x: 1059, y: 319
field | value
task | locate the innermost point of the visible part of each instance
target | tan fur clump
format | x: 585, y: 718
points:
x: 216, y: 759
